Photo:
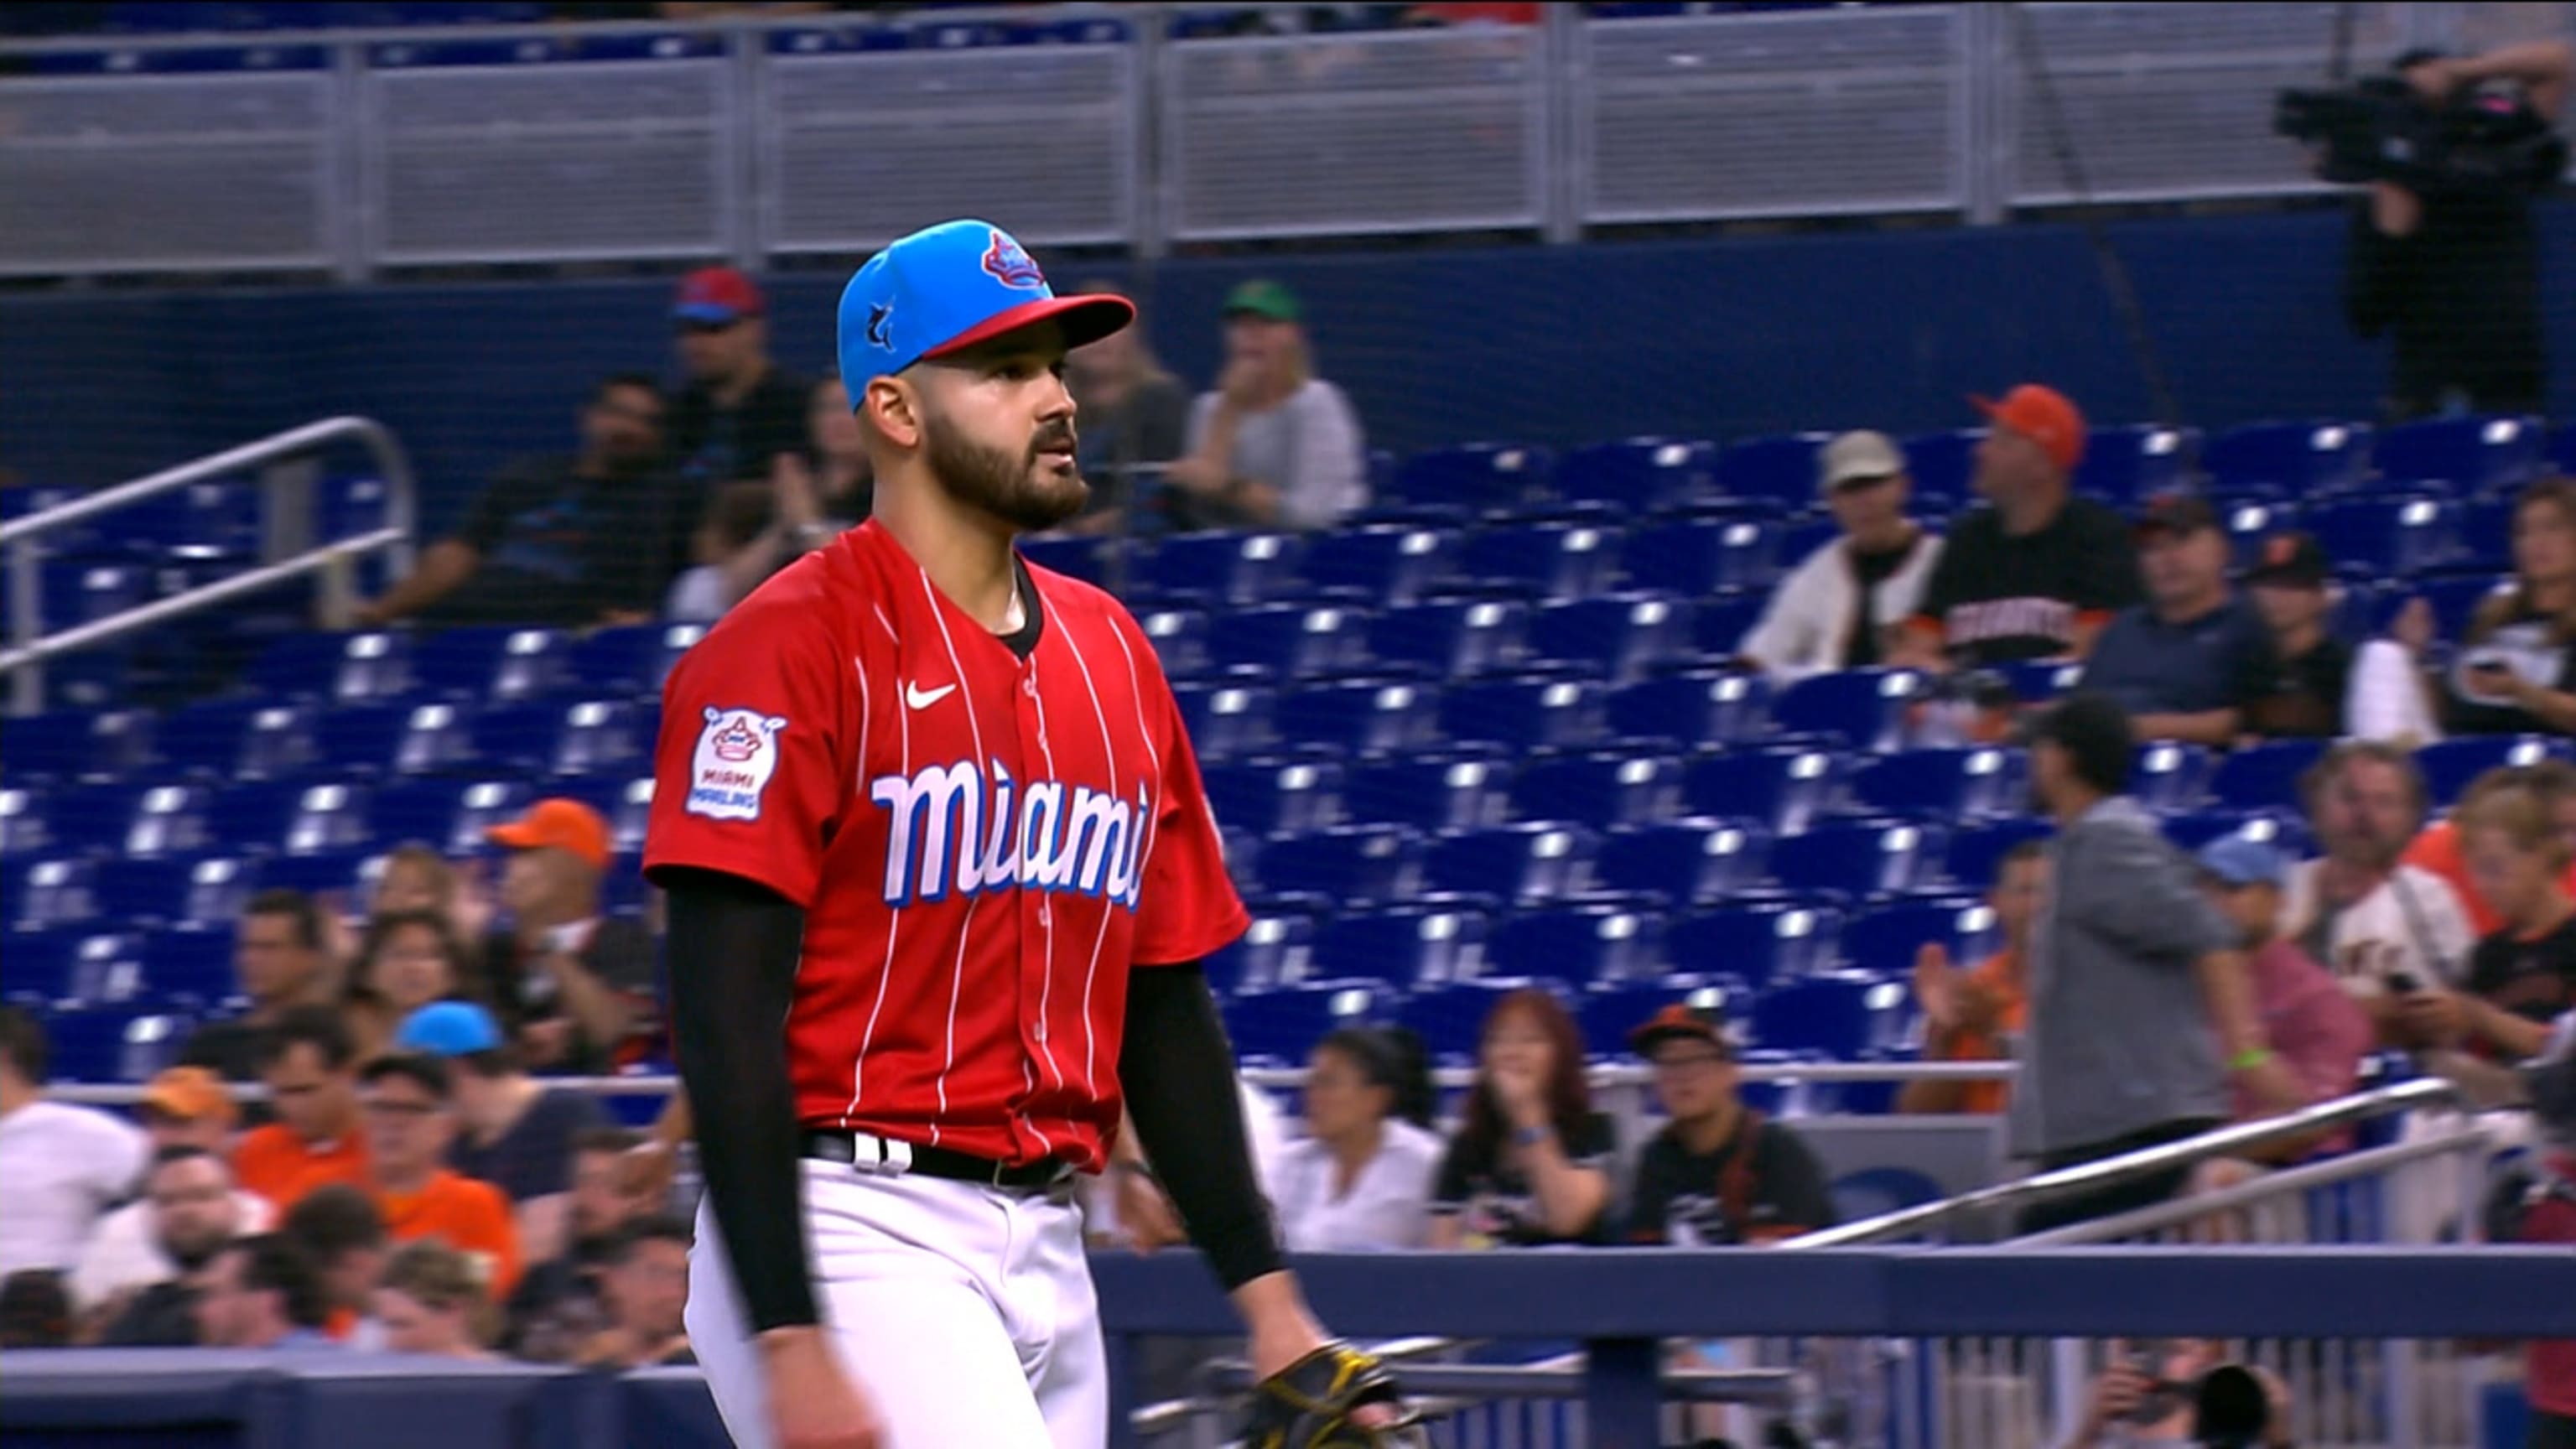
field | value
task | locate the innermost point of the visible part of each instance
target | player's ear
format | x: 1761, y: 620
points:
x: 891, y: 407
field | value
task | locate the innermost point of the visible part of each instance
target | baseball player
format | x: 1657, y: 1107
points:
x: 931, y: 810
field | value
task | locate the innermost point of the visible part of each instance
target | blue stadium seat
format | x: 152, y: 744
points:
x: 2388, y: 537
x: 1281, y: 1027
x: 175, y: 890
x: 2486, y: 534
x: 2195, y: 828
x: 1639, y: 475
x: 1271, y: 952
x: 1512, y: 864
x: 67, y: 745
x: 1581, y: 943
x: 1352, y: 864
x: 1222, y: 568
x: 292, y: 818
x: 1074, y: 556
x: 1696, y: 557
x: 400, y: 737
x: 1451, y: 790
x: 1539, y: 561
x: 1409, y: 948
x: 1780, y: 467
x: 497, y: 663
x: 1885, y: 940
x: 1180, y: 638
x: 633, y: 659
x: 1759, y: 944
x: 2171, y: 777
x: 1781, y: 786
x: 1378, y: 565
x: 1721, y: 622
x: 1978, y: 782
x: 450, y: 815
x: 1616, y: 637
x: 2562, y: 449
x: 1450, y: 1019
x: 1691, y: 710
x: 1358, y: 718
x: 2301, y: 458
x: 113, y: 1044
x: 1451, y: 638
x: 2450, y: 766
x: 345, y: 668
x: 25, y: 827
x: 196, y: 965
x: 1841, y: 1014
x: 1225, y: 722
x: 629, y: 810
x: 93, y: 819
x: 2470, y: 454
x: 2037, y: 681
x: 81, y: 590
x: 592, y: 737
x: 2125, y: 465
x: 2248, y: 522
x: 1476, y: 479
x: 1269, y: 798
x: 1943, y: 466
x: 96, y: 968
x: 2454, y: 600
x: 180, y: 819
x: 1977, y: 851
x: 1683, y: 862
x: 1861, y: 858
x: 1865, y: 708
x: 1280, y: 642
x: 1598, y: 790
x: 1607, y: 1013
x: 328, y: 872
x: 2264, y: 776
x: 1523, y: 714
x: 240, y: 740
x: 43, y: 894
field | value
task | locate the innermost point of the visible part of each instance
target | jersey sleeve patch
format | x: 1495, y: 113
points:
x: 729, y: 773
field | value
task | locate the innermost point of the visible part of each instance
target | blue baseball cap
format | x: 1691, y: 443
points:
x: 949, y: 287
x: 449, y: 1029
x: 2242, y: 861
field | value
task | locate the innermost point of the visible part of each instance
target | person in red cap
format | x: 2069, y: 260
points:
x: 2039, y: 573
x: 740, y: 411
x: 574, y: 985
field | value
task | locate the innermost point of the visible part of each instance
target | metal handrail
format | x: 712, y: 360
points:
x: 2129, y: 1166
x: 20, y: 536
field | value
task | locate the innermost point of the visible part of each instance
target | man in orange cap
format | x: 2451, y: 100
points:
x: 2037, y: 574
x: 574, y: 987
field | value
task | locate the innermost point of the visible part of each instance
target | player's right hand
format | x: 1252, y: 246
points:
x: 813, y: 1402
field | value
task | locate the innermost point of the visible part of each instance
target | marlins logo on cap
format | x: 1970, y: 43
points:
x: 948, y: 287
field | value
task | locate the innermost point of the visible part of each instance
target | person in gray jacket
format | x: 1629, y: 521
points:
x: 2140, y: 1006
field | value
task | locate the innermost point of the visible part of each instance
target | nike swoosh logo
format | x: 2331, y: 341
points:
x: 920, y: 698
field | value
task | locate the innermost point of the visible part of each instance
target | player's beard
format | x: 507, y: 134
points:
x: 1023, y: 490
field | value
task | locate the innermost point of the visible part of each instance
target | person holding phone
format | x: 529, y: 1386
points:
x: 2523, y: 975
x: 2515, y: 671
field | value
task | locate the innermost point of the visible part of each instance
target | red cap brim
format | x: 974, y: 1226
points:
x: 1085, y: 319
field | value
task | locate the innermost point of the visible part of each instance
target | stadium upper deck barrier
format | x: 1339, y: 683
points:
x: 354, y: 152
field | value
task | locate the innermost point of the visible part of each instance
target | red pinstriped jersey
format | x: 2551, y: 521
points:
x: 983, y: 845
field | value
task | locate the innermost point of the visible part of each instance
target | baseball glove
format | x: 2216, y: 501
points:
x: 1308, y: 1405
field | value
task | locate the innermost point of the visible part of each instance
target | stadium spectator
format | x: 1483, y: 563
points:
x: 752, y: 529
x: 1531, y: 1162
x: 574, y: 986
x: 2193, y: 660
x: 431, y: 1301
x: 190, y: 1212
x: 645, y: 1289
x: 1131, y: 415
x: 740, y: 411
x: 281, y: 962
x: 407, y: 960
x: 417, y: 878
x: 35, y: 1310
x: 1976, y: 1016
x: 409, y: 1101
x: 2161, y: 1393
x: 2037, y: 574
x: 1127, y: 1204
x: 556, y: 1308
x: 261, y: 1292
x: 2382, y: 927
x: 2522, y: 976
x: 1719, y: 1174
x: 567, y: 540
x: 2140, y: 1007
x: 2437, y: 847
x: 61, y: 1166
x: 309, y: 1064
x: 2309, y: 1021
x: 2544, y: 1211
x: 2311, y: 667
x: 184, y: 1110
x: 1272, y: 445
x: 1360, y: 1179
x: 1841, y: 607
x: 518, y: 1134
x: 337, y: 1228
x: 2515, y: 669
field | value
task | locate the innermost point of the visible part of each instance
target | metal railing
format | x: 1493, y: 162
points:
x: 289, y: 480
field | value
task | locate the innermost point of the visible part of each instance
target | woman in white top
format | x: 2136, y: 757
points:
x: 1361, y: 1178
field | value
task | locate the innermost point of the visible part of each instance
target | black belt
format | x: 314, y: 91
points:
x: 936, y: 1161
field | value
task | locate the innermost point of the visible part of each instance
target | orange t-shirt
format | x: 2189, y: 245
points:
x: 468, y: 1215
x: 1994, y: 974
x: 2437, y: 849
x: 282, y: 1167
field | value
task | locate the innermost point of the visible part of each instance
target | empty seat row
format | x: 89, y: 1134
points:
x: 295, y: 818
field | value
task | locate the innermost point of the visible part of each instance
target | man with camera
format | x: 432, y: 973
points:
x: 2445, y: 250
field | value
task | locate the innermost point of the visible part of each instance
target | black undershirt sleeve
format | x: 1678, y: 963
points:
x: 733, y: 949
x: 1177, y: 1070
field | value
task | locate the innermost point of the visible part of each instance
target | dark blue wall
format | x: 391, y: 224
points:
x: 1553, y: 343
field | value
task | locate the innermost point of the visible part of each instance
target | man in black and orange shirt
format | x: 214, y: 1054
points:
x: 2037, y: 574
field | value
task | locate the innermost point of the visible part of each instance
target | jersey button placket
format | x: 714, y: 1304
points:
x: 1038, y: 912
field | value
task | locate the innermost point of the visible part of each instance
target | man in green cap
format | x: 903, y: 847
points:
x: 1273, y: 446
